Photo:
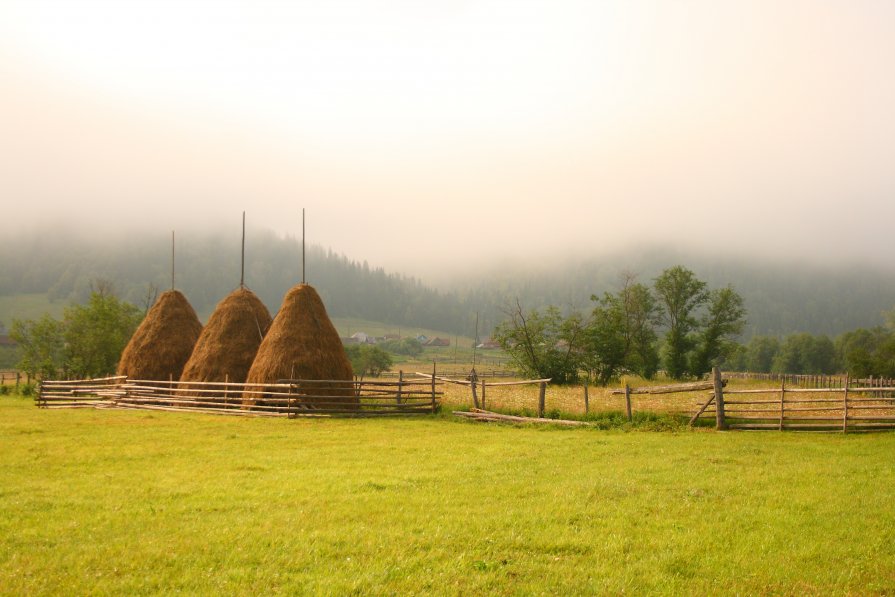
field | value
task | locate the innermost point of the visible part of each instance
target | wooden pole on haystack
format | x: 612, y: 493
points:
x: 242, y: 262
x: 172, y: 260
x: 302, y: 245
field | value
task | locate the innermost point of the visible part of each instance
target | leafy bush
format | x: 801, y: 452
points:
x: 407, y: 346
x: 368, y: 360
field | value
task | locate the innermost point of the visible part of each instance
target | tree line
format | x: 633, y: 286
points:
x: 781, y: 299
x: 863, y: 352
x: 622, y: 331
x: 86, y: 342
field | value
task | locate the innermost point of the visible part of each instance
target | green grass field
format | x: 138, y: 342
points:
x: 126, y: 502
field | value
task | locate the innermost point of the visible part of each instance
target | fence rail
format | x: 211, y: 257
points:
x: 853, y: 407
x: 812, y: 381
x: 285, y: 398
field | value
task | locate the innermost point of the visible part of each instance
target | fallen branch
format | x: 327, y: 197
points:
x: 485, y: 415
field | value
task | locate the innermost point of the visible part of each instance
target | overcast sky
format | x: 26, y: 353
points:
x: 420, y: 133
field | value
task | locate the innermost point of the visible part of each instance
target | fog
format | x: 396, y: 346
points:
x: 436, y: 138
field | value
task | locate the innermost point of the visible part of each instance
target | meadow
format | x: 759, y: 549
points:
x: 129, y: 502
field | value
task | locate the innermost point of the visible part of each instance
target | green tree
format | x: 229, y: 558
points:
x: 41, y: 345
x: 724, y: 321
x: 97, y: 332
x: 680, y: 293
x: 760, y: 353
x: 641, y: 314
x: 804, y: 353
x: 605, y: 340
x: 621, y: 333
x: 543, y: 345
x: 368, y: 360
x: 407, y: 346
x: 864, y: 352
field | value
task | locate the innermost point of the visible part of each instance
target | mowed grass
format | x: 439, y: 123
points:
x: 128, y: 502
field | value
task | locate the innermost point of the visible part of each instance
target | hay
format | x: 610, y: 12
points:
x: 164, y: 340
x: 228, y: 343
x: 302, y: 343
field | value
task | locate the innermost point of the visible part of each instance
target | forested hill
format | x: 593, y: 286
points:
x: 780, y: 298
x: 207, y: 268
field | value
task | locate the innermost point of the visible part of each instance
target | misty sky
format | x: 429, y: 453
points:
x: 421, y: 133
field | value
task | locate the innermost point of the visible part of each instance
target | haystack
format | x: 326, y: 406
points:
x: 302, y: 343
x: 230, y: 340
x: 164, y: 341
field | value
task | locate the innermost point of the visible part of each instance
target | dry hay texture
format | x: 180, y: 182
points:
x: 302, y: 343
x: 230, y: 340
x: 164, y: 340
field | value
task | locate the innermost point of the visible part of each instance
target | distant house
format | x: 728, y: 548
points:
x: 392, y: 337
x: 489, y: 344
x: 422, y: 339
x: 437, y: 342
x: 7, y: 341
x: 361, y: 338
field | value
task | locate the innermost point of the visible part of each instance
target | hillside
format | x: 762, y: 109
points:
x: 781, y: 298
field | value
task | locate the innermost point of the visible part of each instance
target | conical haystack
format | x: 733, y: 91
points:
x: 164, y: 341
x: 302, y: 343
x: 228, y: 343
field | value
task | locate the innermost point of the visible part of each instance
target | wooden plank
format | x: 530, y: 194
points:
x: 492, y: 416
x: 701, y: 410
x: 672, y: 389
x: 845, y: 406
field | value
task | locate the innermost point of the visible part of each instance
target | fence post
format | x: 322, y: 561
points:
x: 720, y: 423
x: 845, y: 406
x: 586, y: 401
x: 542, y: 396
x: 782, y: 398
x: 400, y: 383
x: 433, y: 387
x: 473, y: 384
x: 483, y: 394
x: 628, y: 403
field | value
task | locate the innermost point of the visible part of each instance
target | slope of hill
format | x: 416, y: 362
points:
x: 781, y: 298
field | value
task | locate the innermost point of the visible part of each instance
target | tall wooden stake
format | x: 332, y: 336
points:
x: 475, y: 341
x: 172, y: 260
x: 433, y: 387
x: 242, y: 263
x: 845, y: 404
x: 302, y: 245
x: 720, y: 421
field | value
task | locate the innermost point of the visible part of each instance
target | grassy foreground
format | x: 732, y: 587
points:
x: 116, y: 502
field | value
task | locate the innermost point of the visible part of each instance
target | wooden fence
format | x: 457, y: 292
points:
x: 812, y: 381
x: 11, y: 376
x: 850, y: 408
x: 285, y: 398
x: 476, y: 385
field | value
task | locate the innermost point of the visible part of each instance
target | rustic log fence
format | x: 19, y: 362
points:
x: 853, y: 407
x: 475, y: 385
x: 286, y: 398
x: 12, y: 376
x: 681, y: 388
x: 812, y: 380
